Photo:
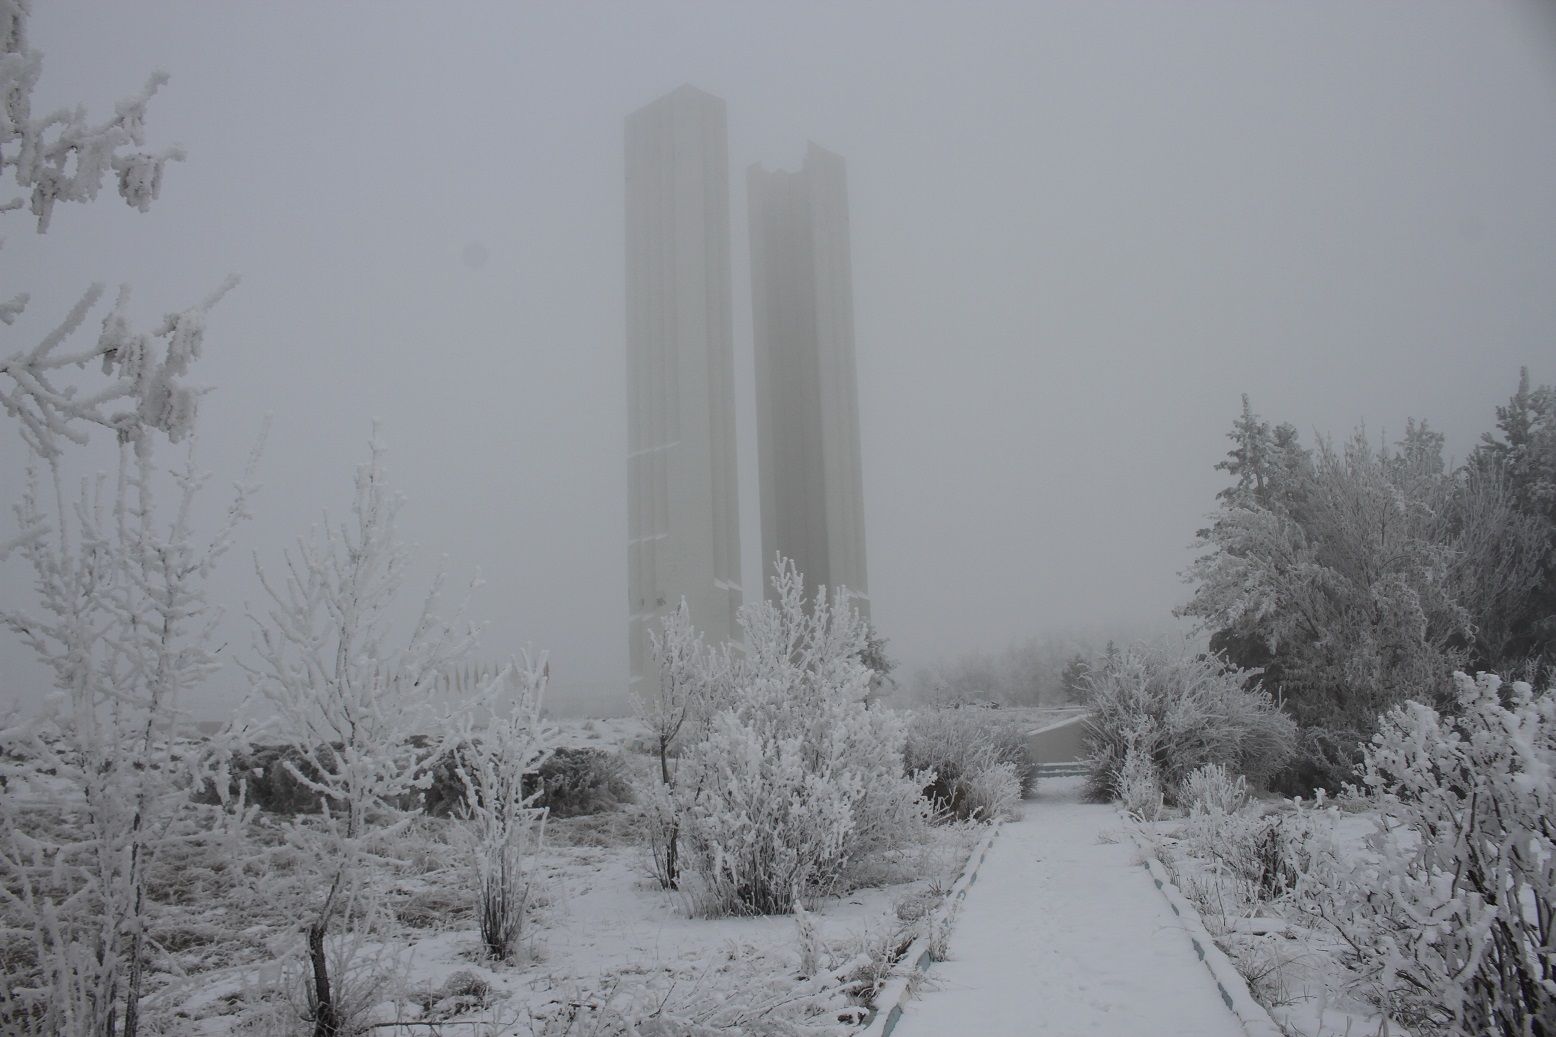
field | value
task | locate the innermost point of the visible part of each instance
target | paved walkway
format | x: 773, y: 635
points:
x: 1064, y: 934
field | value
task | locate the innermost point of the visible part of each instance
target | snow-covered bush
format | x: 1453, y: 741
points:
x: 1450, y: 922
x: 1181, y: 712
x: 1261, y: 857
x: 797, y: 781
x: 765, y: 828
x: 350, y: 703
x: 502, y: 827
x: 977, y: 772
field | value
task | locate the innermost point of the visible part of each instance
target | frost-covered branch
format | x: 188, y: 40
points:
x: 61, y: 157
x: 145, y: 370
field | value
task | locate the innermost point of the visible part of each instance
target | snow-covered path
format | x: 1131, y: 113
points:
x: 1063, y: 934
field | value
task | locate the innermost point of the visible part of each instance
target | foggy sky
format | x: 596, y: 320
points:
x: 1079, y: 233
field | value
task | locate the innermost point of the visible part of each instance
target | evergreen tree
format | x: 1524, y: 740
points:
x: 1523, y: 457
x: 1338, y: 574
x: 1076, y: 679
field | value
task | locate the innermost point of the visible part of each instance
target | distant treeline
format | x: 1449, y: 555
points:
x: 1044, y: 670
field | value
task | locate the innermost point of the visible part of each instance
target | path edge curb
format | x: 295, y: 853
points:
x: 1254, y: 1017
x: 894, y: 995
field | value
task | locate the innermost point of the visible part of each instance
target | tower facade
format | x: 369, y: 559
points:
x: 683, y: 513
x: 806, y: 387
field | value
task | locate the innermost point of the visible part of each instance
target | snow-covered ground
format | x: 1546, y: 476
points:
x: 604, y: 936
x: 1064, y: 933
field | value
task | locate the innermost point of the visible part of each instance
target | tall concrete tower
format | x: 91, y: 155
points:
x: 807, y: 395
x: 683, y: 512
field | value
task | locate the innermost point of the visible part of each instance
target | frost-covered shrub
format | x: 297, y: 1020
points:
x: 1182, y: 712
x: 1266, y: 854
x: 1217, y: 806
x: 572, y: 782
x: 502, y: 826
x: 765, y: 828
x: 979, y: 770
x: 1276, y: 854
x: 1140, y: 784
x: 1212, y: 789
x: 265, y: 775
x: 1451, y: 921
x: 797, y: 781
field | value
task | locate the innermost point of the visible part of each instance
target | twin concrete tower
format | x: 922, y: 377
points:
x: 683, y: 512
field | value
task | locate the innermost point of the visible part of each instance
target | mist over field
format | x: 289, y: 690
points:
x: 1080, y: 233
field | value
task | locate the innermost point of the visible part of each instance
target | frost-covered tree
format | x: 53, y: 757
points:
x: 1501, y: 554
x: 121, y: 617
x: 879, y: 663
x: 1340, y: 575
x: 502, y: 828
x: 1076, y: 678
x: 348, y: 698
x: 1267, y: 462
x: 1522, y: 454
x: 124, y: 624
x: 693, y: 677
x: 797, y: 781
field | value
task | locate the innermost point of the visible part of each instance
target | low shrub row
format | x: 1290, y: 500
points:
x: 571, y: 782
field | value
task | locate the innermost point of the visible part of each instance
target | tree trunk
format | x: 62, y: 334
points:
x: 138, y: 920
x: 672, y: 856
x: 324, y: 1022
x: 132, y: 996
